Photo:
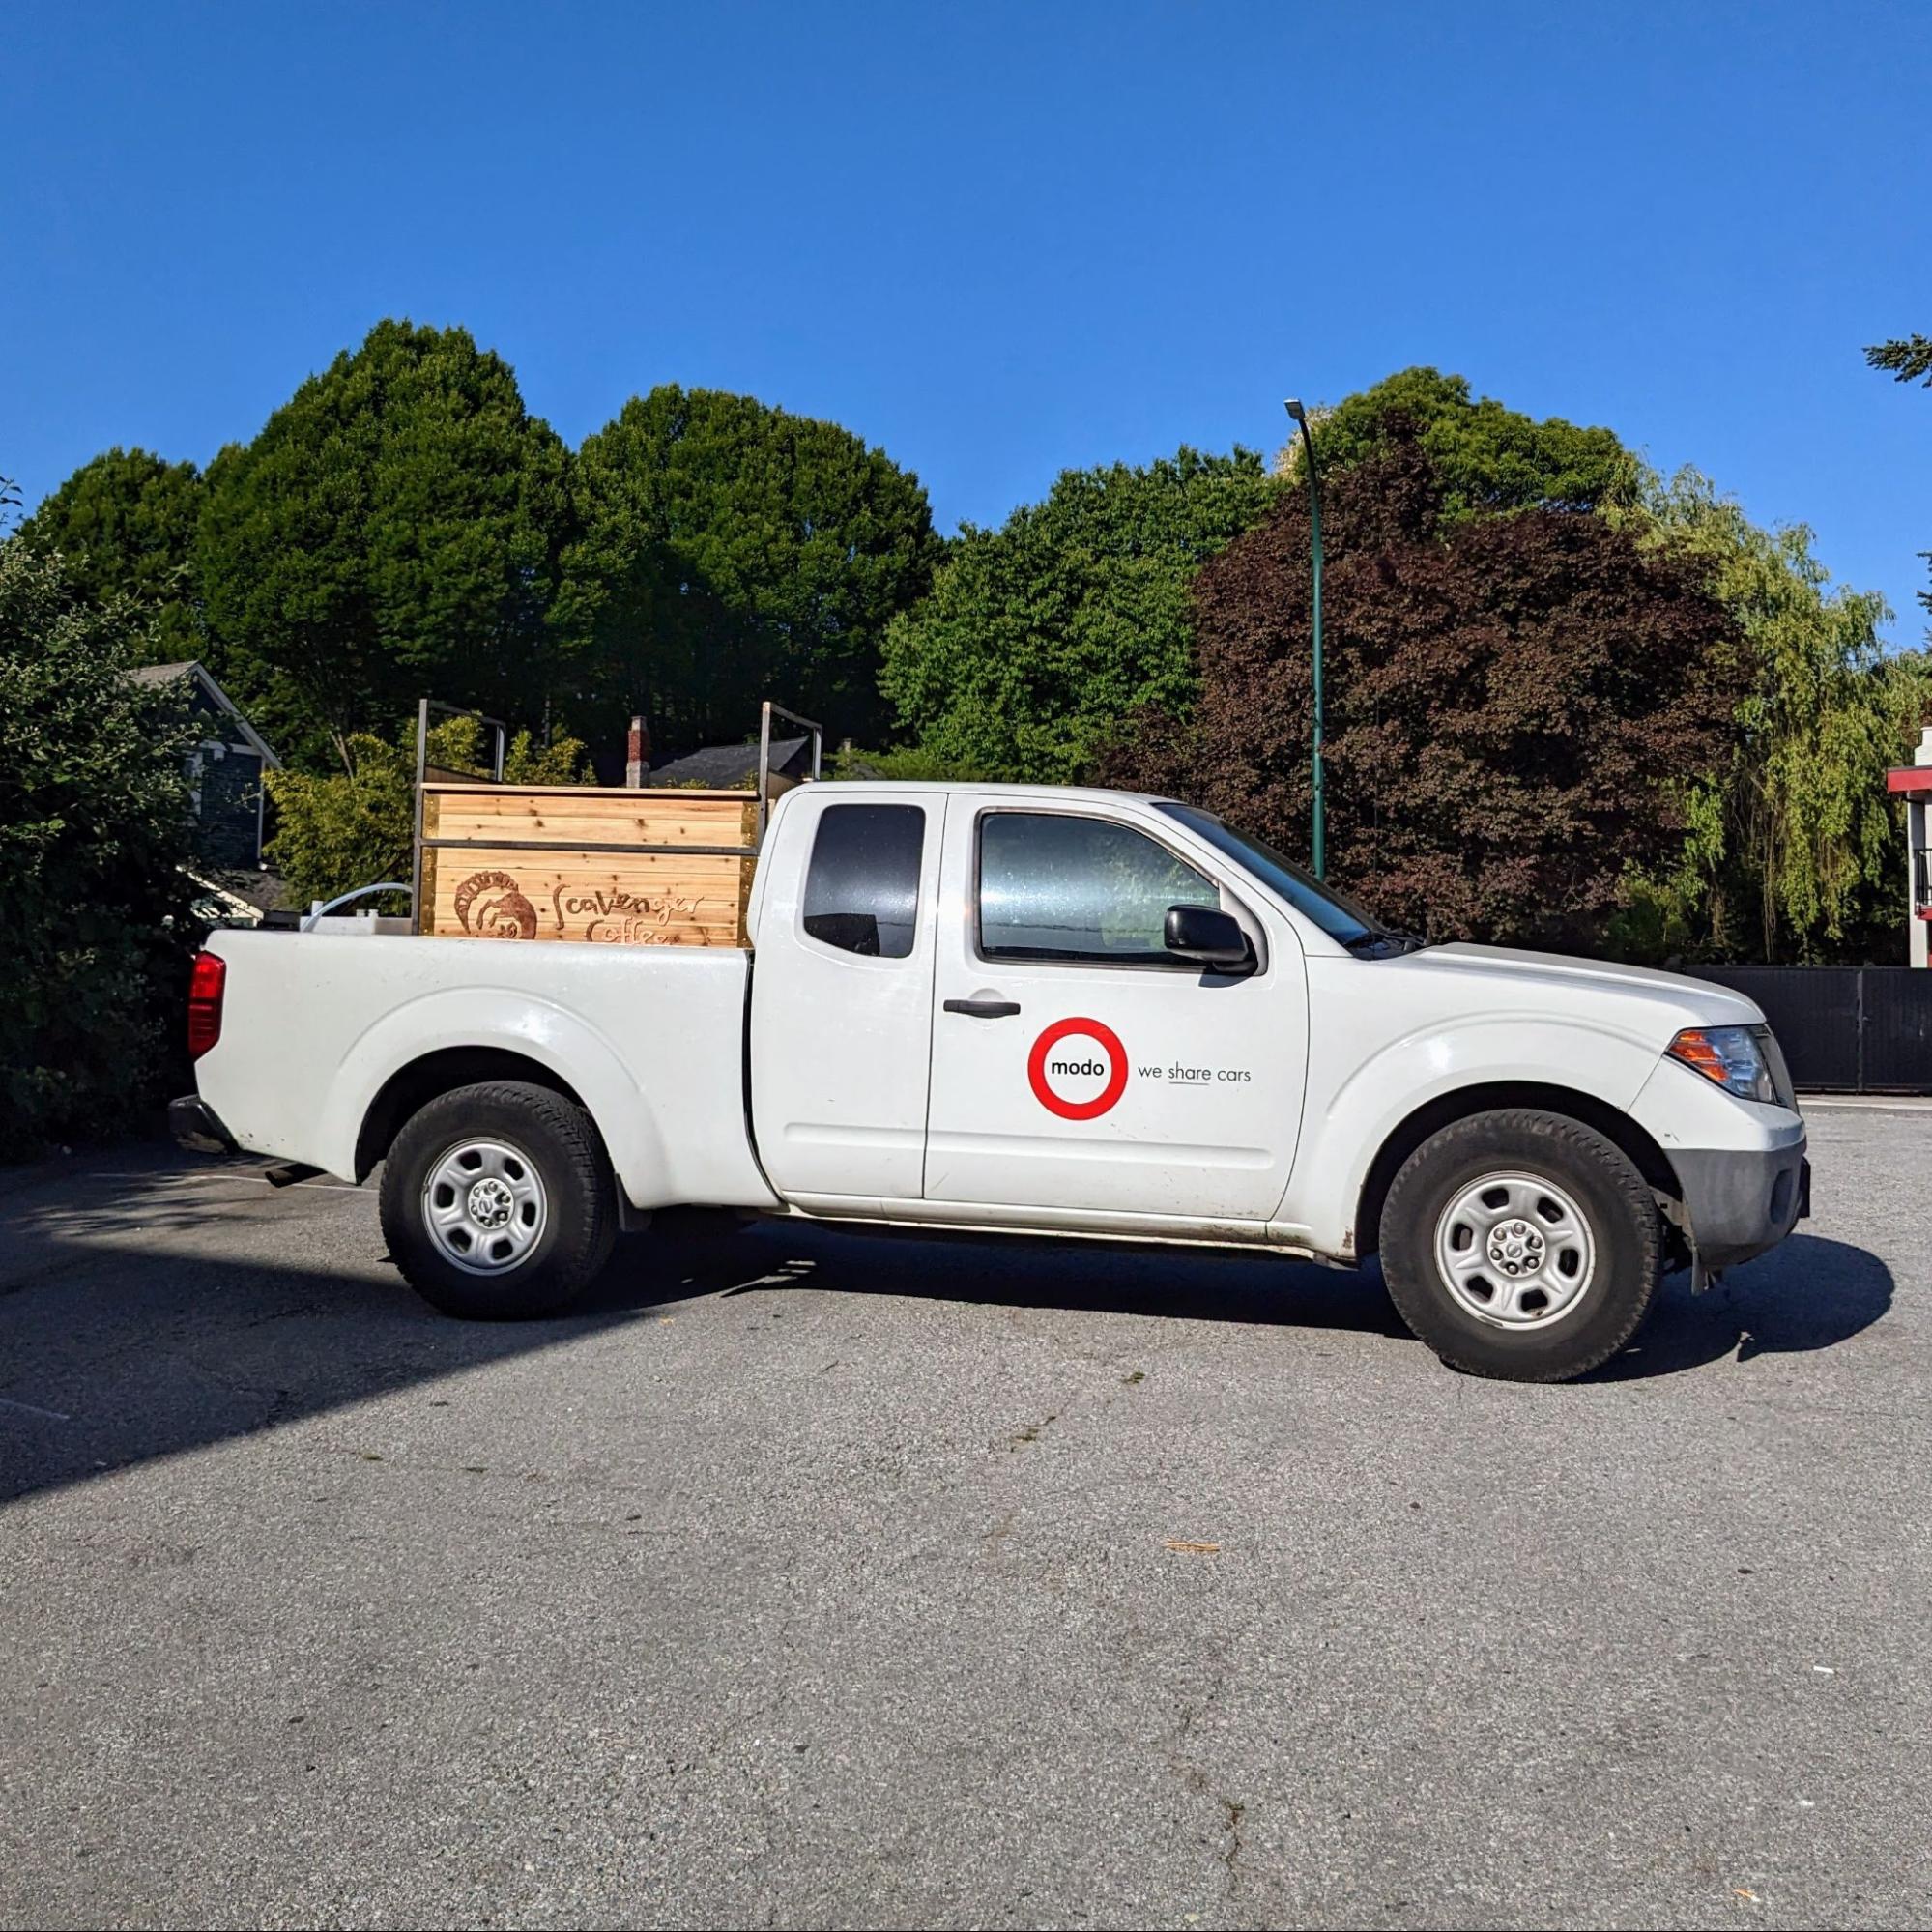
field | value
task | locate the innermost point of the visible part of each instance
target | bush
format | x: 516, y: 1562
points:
x: 905, y: 765
x: 94, y: 829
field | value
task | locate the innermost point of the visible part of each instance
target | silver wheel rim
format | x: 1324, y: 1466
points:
x: 484, y: 1205
x: 1515, y: 1251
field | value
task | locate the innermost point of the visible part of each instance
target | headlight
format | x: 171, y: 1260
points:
x: 1734, y: 1056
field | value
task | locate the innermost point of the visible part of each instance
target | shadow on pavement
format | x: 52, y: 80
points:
x: 150, y: 1306
x: 1079, y: 1276
x: 135, y: 1321
x: 1807, y: 1293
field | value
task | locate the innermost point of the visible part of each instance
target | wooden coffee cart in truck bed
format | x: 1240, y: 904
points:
x: 604, y: 864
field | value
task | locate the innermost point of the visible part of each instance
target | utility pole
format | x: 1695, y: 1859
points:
x: 1318, y: 836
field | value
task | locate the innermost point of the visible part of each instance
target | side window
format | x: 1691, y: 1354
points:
x: 862, y: 885
x: 1053, y: 886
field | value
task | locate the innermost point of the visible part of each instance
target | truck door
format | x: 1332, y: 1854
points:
x: 1075, y: 1063
x: 842, y: 994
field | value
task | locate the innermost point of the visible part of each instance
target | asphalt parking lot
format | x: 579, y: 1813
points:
x: 811, y: 1578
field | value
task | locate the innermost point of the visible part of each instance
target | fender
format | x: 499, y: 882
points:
x: 1344, y: 1125
x: 520, y: 1023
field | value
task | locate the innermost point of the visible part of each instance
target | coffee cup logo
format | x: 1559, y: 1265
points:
x: 491, y: 905
x: 1067, y: 1077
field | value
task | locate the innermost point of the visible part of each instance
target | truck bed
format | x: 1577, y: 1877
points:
x: 651, y: 1038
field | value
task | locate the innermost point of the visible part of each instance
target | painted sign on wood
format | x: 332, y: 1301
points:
x: 555, y: 876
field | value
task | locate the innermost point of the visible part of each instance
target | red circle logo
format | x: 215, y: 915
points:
x: 1109, y: 1042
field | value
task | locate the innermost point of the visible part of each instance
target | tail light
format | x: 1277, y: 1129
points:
x: 205, y: 986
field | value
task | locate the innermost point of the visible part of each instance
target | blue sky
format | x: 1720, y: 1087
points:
x: 997, y: 240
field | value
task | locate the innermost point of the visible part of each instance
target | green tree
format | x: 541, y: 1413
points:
x: 730, y: 551
x: 1908, y: 359
x: 353, y: 827
x: 1506, y: 697
x: 1793, y: 846
x: 1487, y: 458
x: 1039, y: 636
x: 394, y: 532
x: 125, y: 526
x: 94, y: 829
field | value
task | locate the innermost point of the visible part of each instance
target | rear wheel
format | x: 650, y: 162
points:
x: 498, y: 1201
x: 1521, y: 1245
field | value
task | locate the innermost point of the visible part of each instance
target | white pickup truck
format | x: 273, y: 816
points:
x: 1006, y: 1008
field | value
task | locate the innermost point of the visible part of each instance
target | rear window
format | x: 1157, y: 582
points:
x: 862, y: 887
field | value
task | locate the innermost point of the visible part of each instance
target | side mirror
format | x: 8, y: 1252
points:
x: 1209, y: 938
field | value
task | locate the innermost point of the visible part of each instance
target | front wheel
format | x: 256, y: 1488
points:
x: 1521, y: 1245
x: 498, y: 1201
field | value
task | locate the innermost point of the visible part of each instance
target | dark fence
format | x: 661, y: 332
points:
x: 1859, y: 1030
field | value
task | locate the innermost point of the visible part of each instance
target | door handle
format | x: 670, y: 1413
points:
x: 984, y: 1009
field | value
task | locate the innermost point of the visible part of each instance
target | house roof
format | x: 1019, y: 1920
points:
x: 731, y: 767
x: 158, y: 675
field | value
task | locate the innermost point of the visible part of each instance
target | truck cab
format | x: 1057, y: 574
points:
x: 1066, y: 1012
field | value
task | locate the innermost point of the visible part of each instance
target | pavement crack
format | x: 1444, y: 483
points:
x: 1033, y: 1432
x: 294, y: 1313
x: 1233, y: 1811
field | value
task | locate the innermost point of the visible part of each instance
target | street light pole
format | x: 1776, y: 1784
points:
x: 1318, y: 839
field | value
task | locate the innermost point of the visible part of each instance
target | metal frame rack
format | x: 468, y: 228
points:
x: 768, y: 785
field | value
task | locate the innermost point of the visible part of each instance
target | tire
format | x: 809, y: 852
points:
x: 498, y: 1201
x: 1521, y: 1245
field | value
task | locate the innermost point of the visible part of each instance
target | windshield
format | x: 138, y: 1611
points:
x: 1341, y: 918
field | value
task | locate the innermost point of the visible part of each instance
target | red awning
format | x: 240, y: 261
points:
x: 1915, y: 781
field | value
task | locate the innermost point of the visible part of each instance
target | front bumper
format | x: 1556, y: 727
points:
x: 197, y: 1127
x: 1740, y: 1201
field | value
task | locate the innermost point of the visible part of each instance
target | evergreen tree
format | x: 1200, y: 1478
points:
x: 125, y: 526
x: 1908, y: 359
x: 394, y: 532
x: 728, y: 552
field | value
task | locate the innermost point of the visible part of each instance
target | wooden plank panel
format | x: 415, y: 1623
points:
x: 580, y: 791
x: 593, y: 797
x: 590, y: 818
x: 647, y: 899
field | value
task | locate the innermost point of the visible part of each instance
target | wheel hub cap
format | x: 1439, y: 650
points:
x: 1515, y: 1250
x: 490, y: 1203
x: 484, y: 1205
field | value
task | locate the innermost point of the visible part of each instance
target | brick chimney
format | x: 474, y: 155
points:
x: 637, y: 758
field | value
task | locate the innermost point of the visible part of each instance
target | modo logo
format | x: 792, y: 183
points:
x: 1047, y: 1068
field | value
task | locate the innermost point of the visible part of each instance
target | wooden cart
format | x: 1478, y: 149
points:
x: 610, y: 866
